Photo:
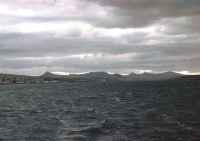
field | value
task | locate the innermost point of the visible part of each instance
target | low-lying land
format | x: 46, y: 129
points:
x: 92, y: 76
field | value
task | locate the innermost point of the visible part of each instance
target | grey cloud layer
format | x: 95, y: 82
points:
x: 145, y: 12
x: 101, y: 35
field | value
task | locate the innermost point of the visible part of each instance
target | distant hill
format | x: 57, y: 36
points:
x: 103, y: 76
x: 190, y: 77
x: 93, y: 76
x: 50, y: 75
x: 151, y: 76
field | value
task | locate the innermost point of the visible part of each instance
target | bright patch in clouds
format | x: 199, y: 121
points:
x: 79, y: 29
x: 188, y: 73
x: 61, y: 73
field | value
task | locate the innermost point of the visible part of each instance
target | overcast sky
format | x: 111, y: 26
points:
x: 119, y: 36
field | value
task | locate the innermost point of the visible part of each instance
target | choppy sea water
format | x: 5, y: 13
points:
x: 101, y: 111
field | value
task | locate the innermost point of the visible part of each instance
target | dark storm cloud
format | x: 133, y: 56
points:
x: 145, y: 12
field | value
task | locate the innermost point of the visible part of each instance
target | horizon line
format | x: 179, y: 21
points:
x: 111, y: 73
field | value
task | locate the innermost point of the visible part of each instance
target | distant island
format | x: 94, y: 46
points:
x: 49, y: 77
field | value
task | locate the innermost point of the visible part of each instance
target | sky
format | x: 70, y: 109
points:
x: 118, y: 36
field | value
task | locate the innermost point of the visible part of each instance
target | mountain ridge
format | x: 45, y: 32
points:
x: 94, y: 76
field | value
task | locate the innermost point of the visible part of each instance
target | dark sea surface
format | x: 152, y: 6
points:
x: 101, y: 111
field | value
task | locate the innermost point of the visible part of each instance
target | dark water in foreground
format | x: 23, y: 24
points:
x: 91, y: 111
